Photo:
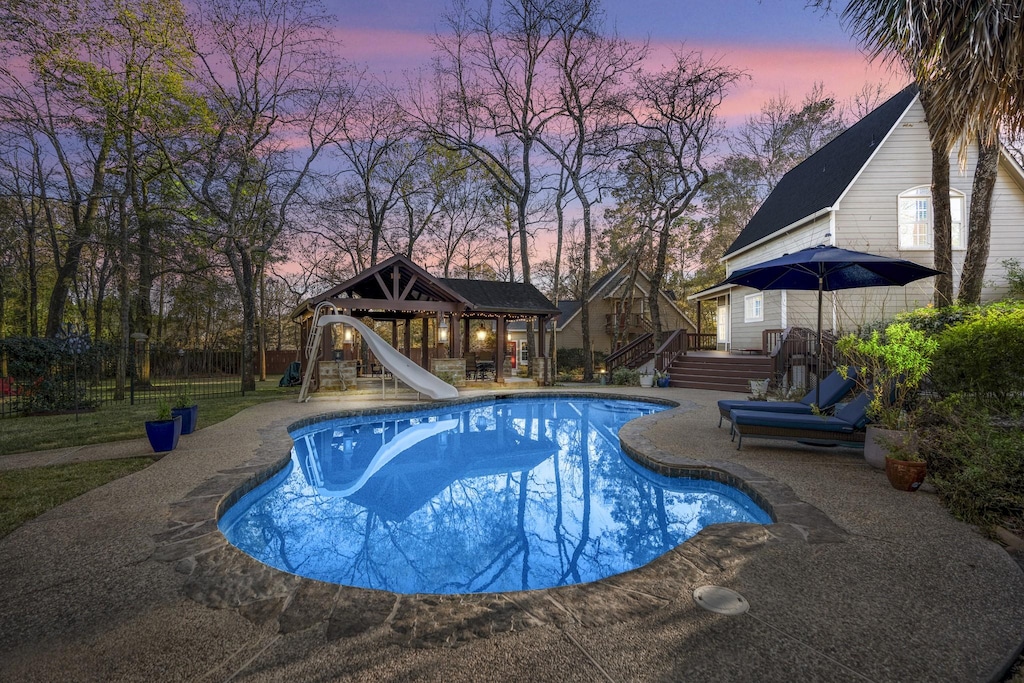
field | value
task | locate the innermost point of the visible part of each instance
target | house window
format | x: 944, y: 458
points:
x: 753, y: 308
x: 915, y: 219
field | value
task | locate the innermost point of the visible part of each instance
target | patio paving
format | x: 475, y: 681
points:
x: 855, y: 581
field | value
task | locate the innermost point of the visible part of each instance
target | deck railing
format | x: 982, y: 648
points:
x: 701, y: 342
x: 675, y: 345
x: 631, y: 355
x: 798, y: 347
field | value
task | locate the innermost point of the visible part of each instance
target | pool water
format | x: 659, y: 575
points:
x: 501, y: 495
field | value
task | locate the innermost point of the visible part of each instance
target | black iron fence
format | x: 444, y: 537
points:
x: 53, y: 376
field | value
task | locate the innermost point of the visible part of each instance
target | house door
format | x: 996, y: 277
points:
x: 723, y: 326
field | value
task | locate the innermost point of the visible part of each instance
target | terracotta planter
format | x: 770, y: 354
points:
x: 905, y: 475
x: 878, y: 444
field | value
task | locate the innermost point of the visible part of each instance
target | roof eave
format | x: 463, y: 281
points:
x: 778, y: 233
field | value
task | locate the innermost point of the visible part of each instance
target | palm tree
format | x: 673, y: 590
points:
x: 967, y: 57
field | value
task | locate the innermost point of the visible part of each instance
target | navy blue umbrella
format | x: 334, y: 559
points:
x: 826, y: 269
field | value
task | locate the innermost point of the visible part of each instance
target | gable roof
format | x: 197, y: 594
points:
x: 572, y: 308
x: 492, y: 296
x: 399, y: 286
x: 821, y: 179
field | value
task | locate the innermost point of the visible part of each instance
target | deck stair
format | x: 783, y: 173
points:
x: 725, y: 372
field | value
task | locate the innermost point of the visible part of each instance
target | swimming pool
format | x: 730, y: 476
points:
x: 493, y: 496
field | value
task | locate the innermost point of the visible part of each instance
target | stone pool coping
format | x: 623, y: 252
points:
x: 221, y: 576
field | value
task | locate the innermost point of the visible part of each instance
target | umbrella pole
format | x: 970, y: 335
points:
x: 817, y: 386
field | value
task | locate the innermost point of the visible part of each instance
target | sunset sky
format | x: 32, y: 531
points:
x: 779, y: 43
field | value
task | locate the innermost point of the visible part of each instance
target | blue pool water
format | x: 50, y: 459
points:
x: 494, y: 496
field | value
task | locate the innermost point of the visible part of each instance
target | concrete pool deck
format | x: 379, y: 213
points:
x: 855, y: 582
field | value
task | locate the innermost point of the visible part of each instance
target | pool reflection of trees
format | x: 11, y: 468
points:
x: 509, y: 496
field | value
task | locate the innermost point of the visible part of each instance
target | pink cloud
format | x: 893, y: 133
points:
x: 385, y: 50
x: 793, y: 70
x: 773, y: 69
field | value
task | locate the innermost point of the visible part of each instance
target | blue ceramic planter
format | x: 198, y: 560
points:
x: 163, y: 434
x: 189, y: 418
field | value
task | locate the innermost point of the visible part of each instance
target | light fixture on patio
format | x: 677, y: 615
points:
x: 442, y: 331
x: 481, y: 334
x: 348, y: 334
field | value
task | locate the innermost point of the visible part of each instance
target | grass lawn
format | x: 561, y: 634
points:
x: 117, y: 422
x: 28, y: 493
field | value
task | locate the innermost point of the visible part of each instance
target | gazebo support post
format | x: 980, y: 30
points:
x: 499, y: 351
x: 542, y: 351
x: 424, y: 348
x: 455, y: 336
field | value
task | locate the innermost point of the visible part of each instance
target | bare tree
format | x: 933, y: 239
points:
x: 591, y: 69
x: 272, y: 98
x: 376, y: 142
x: 675, y: 128
x: 488, y: 96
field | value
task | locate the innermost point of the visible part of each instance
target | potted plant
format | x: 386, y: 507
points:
x: 163, y: 432
x: 890, y: 368
x: 646, y: 379
x: 662, y: 379
x: 759, y: 389
x: 187, y: 408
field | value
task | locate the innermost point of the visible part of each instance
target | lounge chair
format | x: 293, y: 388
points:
x: 846, y: 427
x: 833, y: 389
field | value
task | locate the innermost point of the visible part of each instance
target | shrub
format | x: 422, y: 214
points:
x: 1015, y: 276
x: 975, y: 463
x: 983, y: 357
x: 890, y: 367
x: 572, y: 359
x: 623, y: 376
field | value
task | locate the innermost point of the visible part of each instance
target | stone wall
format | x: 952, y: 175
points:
x: 456, y: 367
x: 333, y: 371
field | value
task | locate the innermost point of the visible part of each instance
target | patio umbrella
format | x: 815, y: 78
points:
x: 826, y: 269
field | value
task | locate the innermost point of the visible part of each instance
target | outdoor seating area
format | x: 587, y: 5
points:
x: 846, y: 427
x: 830, y: 391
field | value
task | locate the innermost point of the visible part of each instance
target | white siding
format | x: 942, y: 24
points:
x: 810, y: 235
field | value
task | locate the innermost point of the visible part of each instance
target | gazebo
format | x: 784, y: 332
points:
x: 451, y: 312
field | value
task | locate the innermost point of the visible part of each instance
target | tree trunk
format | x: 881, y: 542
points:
x: 657, y: 278
x: 942, y: 241
x: 979, y: 224
x: 68, y: 271
x: 588, y: 342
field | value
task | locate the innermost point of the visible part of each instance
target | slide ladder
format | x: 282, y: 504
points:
x: 313, y: 346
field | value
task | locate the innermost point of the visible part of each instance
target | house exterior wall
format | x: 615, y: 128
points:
x: 801, y: 308
x: 602, y: 305
x: 866, y: 219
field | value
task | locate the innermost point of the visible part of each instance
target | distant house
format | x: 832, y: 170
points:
x: 618, y: 313
x: 867, y: 190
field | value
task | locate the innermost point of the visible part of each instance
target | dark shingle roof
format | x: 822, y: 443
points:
x: 501, y: 297
x: 820, y: 180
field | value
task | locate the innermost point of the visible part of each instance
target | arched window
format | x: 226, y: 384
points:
x: 915, y: 218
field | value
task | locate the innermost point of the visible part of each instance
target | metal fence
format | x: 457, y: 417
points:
x: 59, y: 378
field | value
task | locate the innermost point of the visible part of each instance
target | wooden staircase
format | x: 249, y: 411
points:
x: 719, y: 373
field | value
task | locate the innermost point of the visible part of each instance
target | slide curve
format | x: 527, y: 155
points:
x: 404, y: 369
x: 405, y: 440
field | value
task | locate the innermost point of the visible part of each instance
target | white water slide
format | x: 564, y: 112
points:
x: 401, y: 367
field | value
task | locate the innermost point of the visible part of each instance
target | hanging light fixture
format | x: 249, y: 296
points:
x: 442, y: 331
x: 481, y: 333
